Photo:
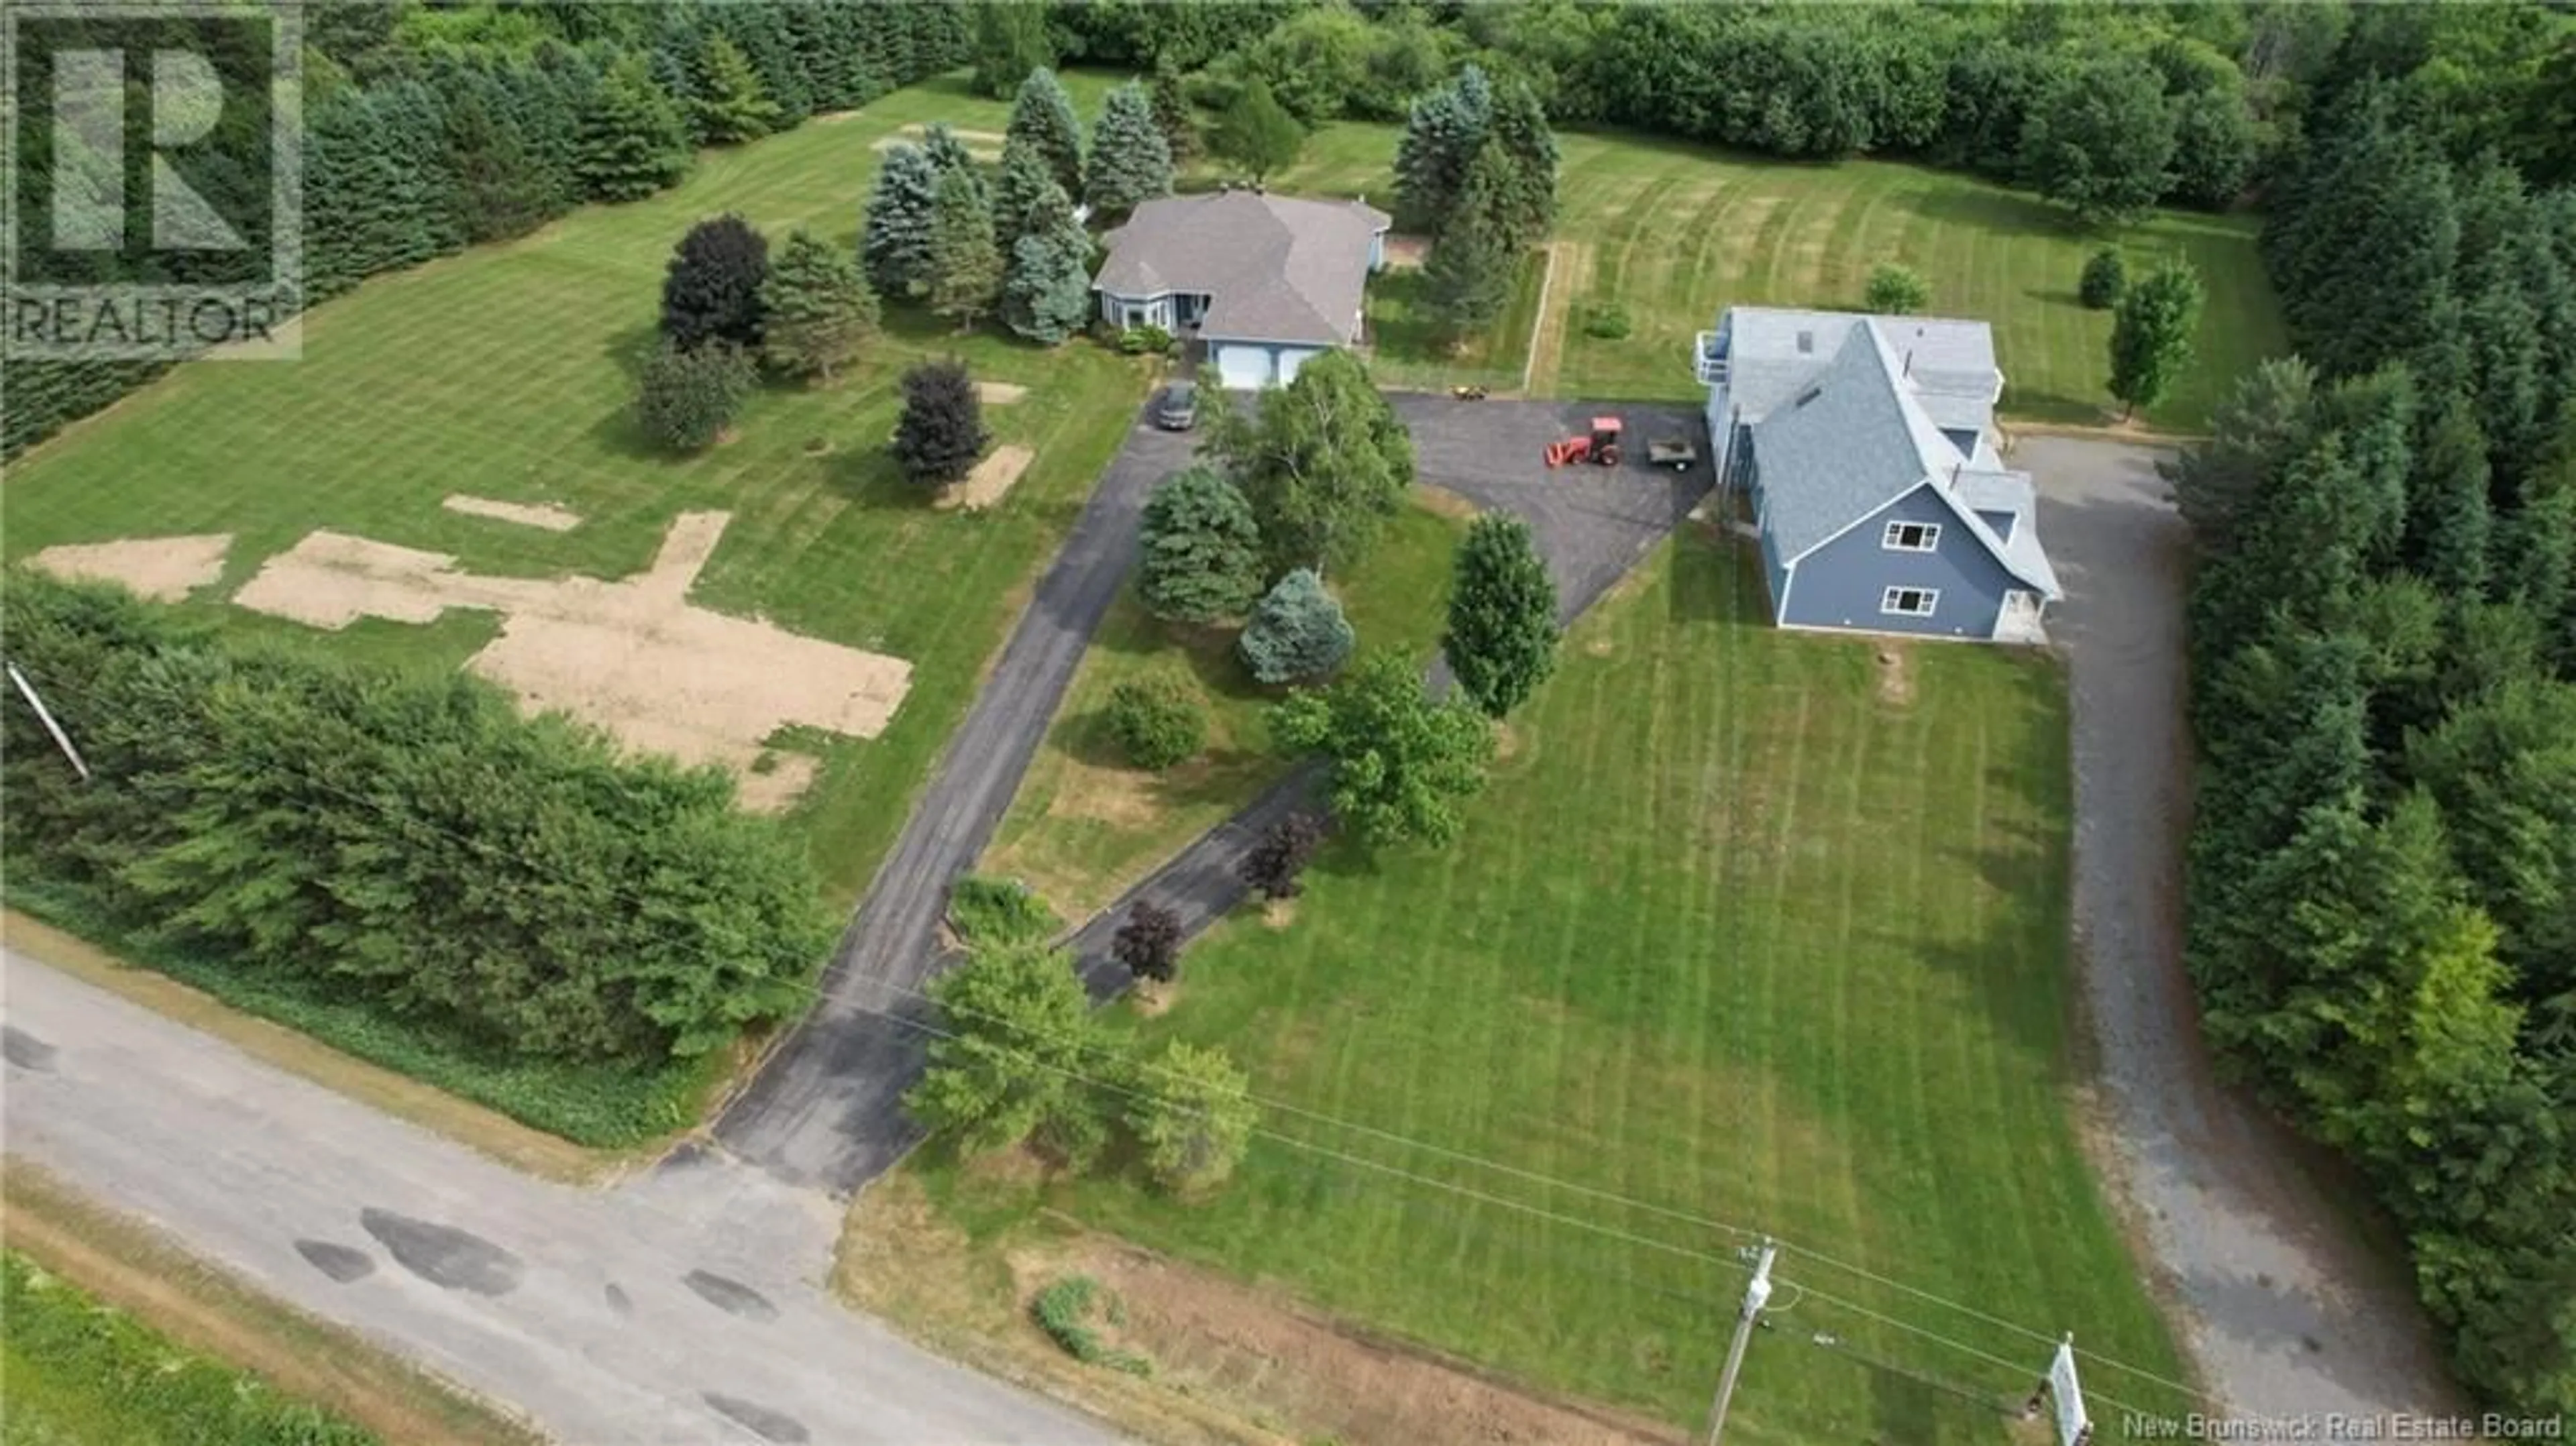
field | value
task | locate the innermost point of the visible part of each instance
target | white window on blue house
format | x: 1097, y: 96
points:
x: 1909, y: 602
x: 1911, y: 536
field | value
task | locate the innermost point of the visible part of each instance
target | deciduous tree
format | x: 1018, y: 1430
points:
x: 1270, y: 868
x: 941, y: 433
x: 2106, y: 279
x: 1297, y: 631
x: 688, y: 396
x: 2151, y: 336
x: 1015, y: 1057
x: 1257, y: 134
x: 1192, y: 1110
x: 711, y: 289
x: 1323, y: 461
x: 1201, y: 549
x: 1149, y: 942
x: 1502, y: 634
x: 1896, y: 290
x: 1401, y: 763
x: 2099, y: 140
x: 817, y: 309
x: 1009, y: 41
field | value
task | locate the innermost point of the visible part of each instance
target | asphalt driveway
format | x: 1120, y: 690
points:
x: 825, y: 1109
x: 2290, y: 1312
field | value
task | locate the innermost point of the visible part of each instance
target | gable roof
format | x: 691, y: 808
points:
x: 1949, y: 364
x: 1274, y: 268
x: 1856, y: 437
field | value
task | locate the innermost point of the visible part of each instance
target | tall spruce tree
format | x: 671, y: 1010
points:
x: 817, y: 308
x: 1174, y: 116
x: 1200, y: 557
x: 965, y: 263
x: 731, y: 106
x: 711, y: 289
x: 1020, y: 192
x: 1442, y: 136
x: 2151, y: 336
x: 941, y: 432
x: 633, y: 141
x: 897, y: 239
x: 1046, y: 289
x: 1042, y: 117
x: 1469, y: 273
x: 1501, y: 638
x: 501, y: 189
x: 1130, y: 159
x: 1520, y: 127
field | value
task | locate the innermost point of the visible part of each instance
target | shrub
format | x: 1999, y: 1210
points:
x: 1608, y: 321
x: 1149, y: 943
x: 2106, y: 279
x: 1156, y: 722
x: 1201, y: 550
x: 1297, y: 631
x: 689, y: 396
x: 1145, y: 341
x: 1192, y: 1111
x: 1897, y: 290
x: 1063, y: 1311
x: 1000, y: 911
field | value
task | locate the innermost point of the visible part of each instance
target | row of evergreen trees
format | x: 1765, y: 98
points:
x: 1476, y: 171
x: 417, y: 145
x: 2383, y: 862
x: 404, y: 841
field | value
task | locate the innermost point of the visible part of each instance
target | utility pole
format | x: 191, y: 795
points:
x: 62, y: 740
x: 1756, y: 1292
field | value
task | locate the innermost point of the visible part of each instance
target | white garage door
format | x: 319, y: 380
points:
x: 1292, y: 359
x: 1243, y: 368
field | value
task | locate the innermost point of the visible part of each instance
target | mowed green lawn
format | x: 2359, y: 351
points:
x: 1674, y: 232
x: 505, y: 373
x: 1742, y: 929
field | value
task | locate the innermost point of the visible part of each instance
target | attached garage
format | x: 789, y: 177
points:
x: 1244, y: 368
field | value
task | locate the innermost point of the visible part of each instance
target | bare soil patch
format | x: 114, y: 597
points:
x: 632, y: 656
x: 1150, y: 998
x: 1278, y: 913
x: 775, y: 787
x: 990, y: 481
x: 1231, y: 1342
x: 164, y: 569
x: 1895, y: 674
x: 526, y: 514
x: 999, y: 394
x: 982, y: 145
x: 1441, y: 502
x: 1406, y: 253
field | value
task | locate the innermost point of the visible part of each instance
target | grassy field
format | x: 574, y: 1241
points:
x: 111, y: 1337
x: 505, y: 372
x: 1747, y: 927
x: 1084, y: 825
x: 1673, y: 232
x: 1406, y: 348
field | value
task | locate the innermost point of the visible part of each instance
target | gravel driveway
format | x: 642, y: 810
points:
x: 2289, y: 1311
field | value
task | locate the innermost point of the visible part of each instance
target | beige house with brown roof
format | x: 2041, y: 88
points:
x: 1265, y: 281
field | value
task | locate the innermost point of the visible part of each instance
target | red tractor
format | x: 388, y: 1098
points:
x: 1601, y: 449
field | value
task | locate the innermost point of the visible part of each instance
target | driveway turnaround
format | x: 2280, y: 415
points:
x: 2289, y: 1312
x: 681, y: 1307
x: 826, y: 1108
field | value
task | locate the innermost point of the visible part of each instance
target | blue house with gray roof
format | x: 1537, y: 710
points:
x: 1864, y: 448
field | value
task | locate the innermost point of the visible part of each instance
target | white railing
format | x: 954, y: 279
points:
x: 1708, y: 355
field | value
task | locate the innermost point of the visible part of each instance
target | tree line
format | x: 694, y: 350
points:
x: 430, y: 129
x: 2382, y: 883
x: 405, y: 841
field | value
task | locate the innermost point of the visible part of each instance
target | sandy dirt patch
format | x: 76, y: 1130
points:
x: 982, y: 145
x: 1441, y: 502
x: 1406, y: 253
x: 1569, y: 270
x: 540, y: 514
x: 989, y: 482
x: 1230, y: 1341
x: 164, y: 569
x: 1895, y: 675
x: 775, y: 788
x: 999, y: 394
x: 631, y: 656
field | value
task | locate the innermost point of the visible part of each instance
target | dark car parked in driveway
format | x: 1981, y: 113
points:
x: 1179, y: 409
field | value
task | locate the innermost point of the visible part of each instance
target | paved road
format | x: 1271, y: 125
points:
x: 679, y: 1308
x: 825, y: 1109
x: 2289, y: 1312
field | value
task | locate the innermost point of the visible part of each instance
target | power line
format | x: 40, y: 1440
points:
x: 814, y: 992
